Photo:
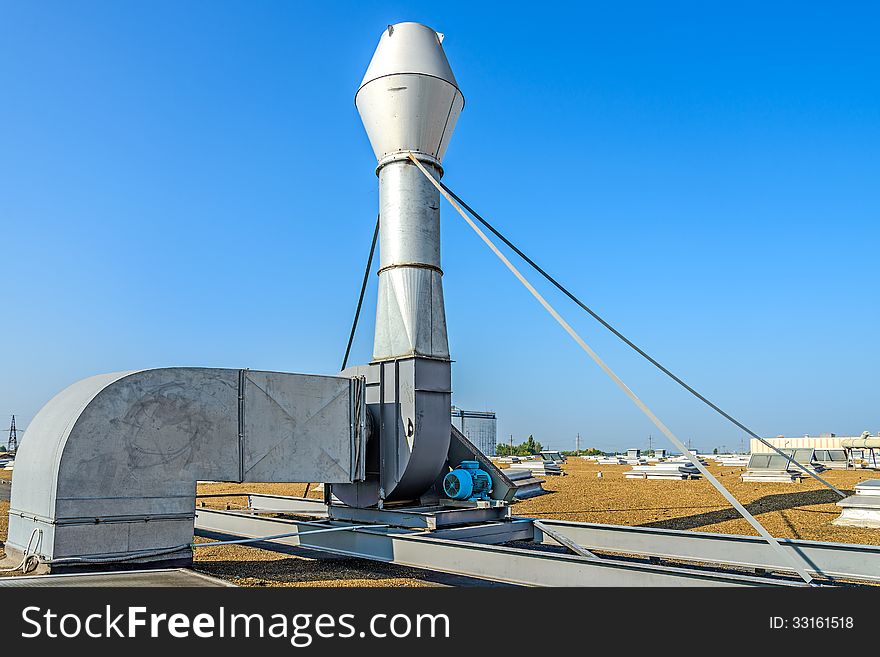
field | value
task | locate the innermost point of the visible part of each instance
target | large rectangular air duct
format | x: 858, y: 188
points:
x: 111, y: 463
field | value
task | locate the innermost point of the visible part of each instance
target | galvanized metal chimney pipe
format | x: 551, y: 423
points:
x: 410, y: 314
x: 409, y: 102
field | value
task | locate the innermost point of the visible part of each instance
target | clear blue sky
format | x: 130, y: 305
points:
x: 188, y: 183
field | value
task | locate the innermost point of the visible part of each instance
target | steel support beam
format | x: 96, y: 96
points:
x: 428, y: 517
x: 489, y: 533
x: 828, y: 560
x: 495, y: 563
x: 285, y: 504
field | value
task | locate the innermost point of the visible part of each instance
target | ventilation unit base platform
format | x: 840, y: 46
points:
x: 449, y: 514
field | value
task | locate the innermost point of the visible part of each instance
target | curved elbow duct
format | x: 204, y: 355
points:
x: 111, y: 463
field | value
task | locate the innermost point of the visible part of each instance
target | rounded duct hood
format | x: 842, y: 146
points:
x: 409, y: 99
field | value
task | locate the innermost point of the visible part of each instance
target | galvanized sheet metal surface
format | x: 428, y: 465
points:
x: 496, y: 563
x: 409, y: 99
x: 110, y: 465
x: 410, y: 400
x: 297, y: 426
x: 832, y: 560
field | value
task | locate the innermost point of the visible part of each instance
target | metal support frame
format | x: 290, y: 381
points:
x: 832, y: 561
x: 561, y: 539
x: 285, y: 504
x: 427, y: 517
x: 489, y: 562
x: 829, y: 561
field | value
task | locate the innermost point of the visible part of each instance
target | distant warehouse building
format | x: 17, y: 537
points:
x: 478, y: 427
x: 823, y: 441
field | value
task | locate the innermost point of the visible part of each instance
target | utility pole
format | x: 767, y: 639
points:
x: 577, y: 445
x: 12, y: 445
x: 650, y: 443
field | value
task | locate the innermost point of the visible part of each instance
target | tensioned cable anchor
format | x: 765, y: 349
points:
x: 757, y: 526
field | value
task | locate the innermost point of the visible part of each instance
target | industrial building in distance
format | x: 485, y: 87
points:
x: 479, y: 427
x: 822, y: 441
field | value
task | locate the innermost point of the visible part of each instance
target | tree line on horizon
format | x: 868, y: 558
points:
x: 528, y: 447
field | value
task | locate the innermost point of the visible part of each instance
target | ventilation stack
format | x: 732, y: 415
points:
x: 409, y: 102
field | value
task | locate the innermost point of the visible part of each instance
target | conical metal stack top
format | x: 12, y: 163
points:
x: 409, y: 99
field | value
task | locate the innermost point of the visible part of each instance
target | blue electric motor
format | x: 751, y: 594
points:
x: 468, y: 482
